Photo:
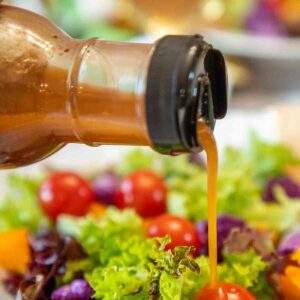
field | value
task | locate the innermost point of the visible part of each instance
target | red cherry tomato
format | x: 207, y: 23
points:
x: 181, y: 231
x: 144, y: 191
x: 65, y: 193
x: 225, y: 291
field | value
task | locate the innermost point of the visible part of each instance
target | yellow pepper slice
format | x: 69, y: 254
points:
x: 14, y: 250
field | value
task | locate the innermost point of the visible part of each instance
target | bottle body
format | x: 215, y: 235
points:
x: 56, y: 90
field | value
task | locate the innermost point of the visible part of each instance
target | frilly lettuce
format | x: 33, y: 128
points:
x: 121, y: 263
x: 246, y: 269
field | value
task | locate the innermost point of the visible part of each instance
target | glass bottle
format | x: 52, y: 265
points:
x: 56, y: 90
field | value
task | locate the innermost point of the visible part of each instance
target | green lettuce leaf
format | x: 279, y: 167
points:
x: 242, y: 268
x: 281, y: 216
x: 20, y: 207
x: 170, y: 287
x: 193, y: 282
x: 119, y: 283
x: 269, y: 159
x: 121, y: 262
x: 107, y: 238
x: 246, y: 269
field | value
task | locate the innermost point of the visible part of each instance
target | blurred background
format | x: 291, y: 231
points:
x: 261, y: 41
x: 260, y: 38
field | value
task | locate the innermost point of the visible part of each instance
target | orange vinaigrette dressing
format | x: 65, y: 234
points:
x: 209, y: 145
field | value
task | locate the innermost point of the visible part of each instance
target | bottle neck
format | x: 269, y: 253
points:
x: 136, y: 94
x: 103, y: 93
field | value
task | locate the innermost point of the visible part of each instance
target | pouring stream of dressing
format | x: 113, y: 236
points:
x: 209, y: 145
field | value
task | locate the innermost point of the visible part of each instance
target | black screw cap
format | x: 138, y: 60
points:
x: 186, y: 80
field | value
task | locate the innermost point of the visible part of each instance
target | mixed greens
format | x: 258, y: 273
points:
x: 119, y: 246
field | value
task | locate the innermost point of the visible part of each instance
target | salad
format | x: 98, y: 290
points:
x: 139, y: 230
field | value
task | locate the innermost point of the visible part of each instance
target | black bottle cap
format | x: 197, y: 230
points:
x: 186, y: 80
